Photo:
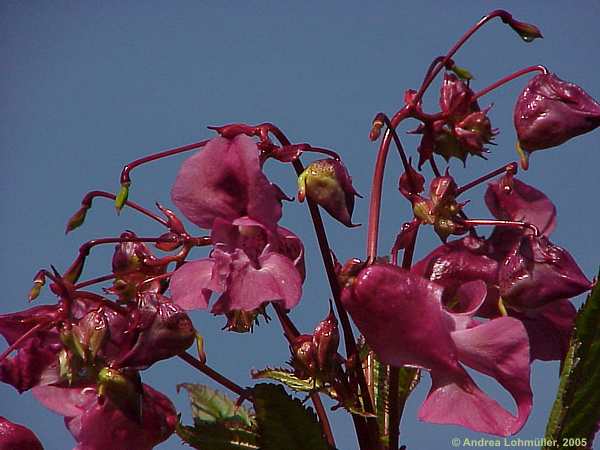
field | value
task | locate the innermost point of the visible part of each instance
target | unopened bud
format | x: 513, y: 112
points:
x: 122, y: 196
x: 526, y: 31
x: 378, y: 123
x: 326, y: 339
x: 327, y: 183
x: 77, y: 219
x: 38, y: 282
x: 168, y: 242
x: 304, y: 356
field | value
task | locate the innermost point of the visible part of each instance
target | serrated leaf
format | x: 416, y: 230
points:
x: 576, y: 411
x: 209, y: 405
x: 288, y: 378
x: 284, y: 423
x: 217, y: 436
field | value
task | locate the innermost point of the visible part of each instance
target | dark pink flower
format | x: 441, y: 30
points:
x: 17, y: 437
x: 551, y: 111
x: 249, y: 266
x: 97, y: 423
x: 403, y: 321
x: 225, y: 180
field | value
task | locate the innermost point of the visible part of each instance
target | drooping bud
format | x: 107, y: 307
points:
x: 304, y: 356
x: 327, y: 183
x: 77, y: 219
x: 378, y: 123
x: 411, y: 182
x: 326, y: 339
x: 17, y: 437
x: 122, y: 196
x: 551, y: 111
x: 38, y: 282
x: 526, y: 31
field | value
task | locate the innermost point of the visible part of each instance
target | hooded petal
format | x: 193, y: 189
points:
x: 275, y: 279
x: 511, y: 199
x: 549, y: 329
x: 400, y: 315
x: 551, y: 111
x: 189, y: 284
x: 225, y: 180
x: 537, y: 273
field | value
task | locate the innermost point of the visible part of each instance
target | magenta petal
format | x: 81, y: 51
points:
x: 400, y: 315
x: 459, y: 401
x: 500, y: 348
x: 225, y: 180
x: 515, y: 200
x: 276, y: 279
x: 549, y: 329
x: 17, y: 437
x: 67, y: 402
x: 189, y: 284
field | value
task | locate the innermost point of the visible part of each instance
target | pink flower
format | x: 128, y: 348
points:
x: 97, y: 423
x: 224, y: 180
x: 551, y: 111
x: 17, y: 437
x: 249, y: 266
x: 403, y: 320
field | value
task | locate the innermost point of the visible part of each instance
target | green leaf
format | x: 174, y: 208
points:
x: 284, y: 423
x: 287, y: 377
x: 217, y: 436
x: 209, y: 405
x: 576, y: 411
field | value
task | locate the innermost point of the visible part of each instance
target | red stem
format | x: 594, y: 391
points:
x: 87, y: 203
x: 216, y: 376
x: 509, y: 168
x: 502, y: 223
x: 509, y: 78
x: 505, y: 15
x: 125, y: 179
x: 95, y: 281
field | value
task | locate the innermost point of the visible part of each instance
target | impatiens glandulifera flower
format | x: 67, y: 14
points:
x: 328, y: 184
x: 17, y: 437
x: 401, y: 316
x: 225, y: 180
x: 96, y: 422
x: 249, y: 266
x: 551, y: 111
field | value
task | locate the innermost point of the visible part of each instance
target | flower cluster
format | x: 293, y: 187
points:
x: 493, y: 304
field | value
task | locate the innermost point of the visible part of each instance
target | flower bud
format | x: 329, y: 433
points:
x: 91, y: 332
x: 304, y: 358
x: 327, y: 183
x: 551, y: 111
x: 526, y: 31
x: 77, y: 219
x: 326, y: 339
x: 38, y: 282
x: 411, y: 182
x: 122, y: 196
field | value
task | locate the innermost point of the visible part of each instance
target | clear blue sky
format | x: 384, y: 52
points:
x: 87, y: 86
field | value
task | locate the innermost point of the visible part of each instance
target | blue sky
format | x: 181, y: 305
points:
x: 88, y: 86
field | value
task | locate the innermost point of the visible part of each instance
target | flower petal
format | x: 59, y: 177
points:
x: 225, y: 180
x: 189, y: 284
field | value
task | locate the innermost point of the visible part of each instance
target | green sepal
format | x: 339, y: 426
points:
x: 576, y: 411
x: 284, y: 422
x: 462, y: 73
x: 209, y: 405
x: 287, y: 377
x: 122, y: 196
